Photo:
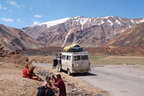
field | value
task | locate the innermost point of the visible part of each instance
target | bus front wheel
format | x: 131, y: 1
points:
x: 59, y: 68
x: 68, y: 72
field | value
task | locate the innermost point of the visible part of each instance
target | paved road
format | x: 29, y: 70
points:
x: 42, y: 65
x: 119, y: 80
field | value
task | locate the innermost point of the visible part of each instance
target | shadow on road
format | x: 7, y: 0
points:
x: 80, y: 74
x: 84, y: 74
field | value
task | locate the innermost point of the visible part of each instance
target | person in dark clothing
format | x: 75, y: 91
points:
x: 46, y: 89
x: 60, y: 84
x: 60, y: 58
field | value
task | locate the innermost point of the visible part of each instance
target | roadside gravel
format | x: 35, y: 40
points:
x: 13, y: 84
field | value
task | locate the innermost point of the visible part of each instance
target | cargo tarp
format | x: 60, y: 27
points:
x: 73, y: 48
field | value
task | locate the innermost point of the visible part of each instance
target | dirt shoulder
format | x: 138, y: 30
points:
x: 13, y: 84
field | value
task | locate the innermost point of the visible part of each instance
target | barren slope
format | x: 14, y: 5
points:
x: 13, y: 39
x: 133, y: 37
x: 128, y: 43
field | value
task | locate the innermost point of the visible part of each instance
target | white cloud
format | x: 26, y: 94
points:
x: 36, y: 23
x: 2, y: 8
x: 38, y: 16
x: 23, y: 6
x: 6, y: 19
x: 31, y: 8
x: 13, y: 3
x: 19, y: 20
x: 7, y: 1
x: 10, y: 10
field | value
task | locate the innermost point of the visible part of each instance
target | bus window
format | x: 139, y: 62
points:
x: 63, y: 57
x: 78, y: 57
x: 68, y: 57
x: 84, y: 57
x: 75, y: 58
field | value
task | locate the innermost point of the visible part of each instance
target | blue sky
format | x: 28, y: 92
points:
x: 22, y: 13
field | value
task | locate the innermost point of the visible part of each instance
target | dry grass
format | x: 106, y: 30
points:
x: 41, y: 59
x: 99, y: 59
x: 115, y: 60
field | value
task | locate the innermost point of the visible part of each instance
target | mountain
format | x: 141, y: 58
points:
x: 14, y: 39
x: 130, y: 42
x: 133, y: 37
x: 88, y: 32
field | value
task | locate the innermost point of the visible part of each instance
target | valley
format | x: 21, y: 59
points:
x: 115, y: 47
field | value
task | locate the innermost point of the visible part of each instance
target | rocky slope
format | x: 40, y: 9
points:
x: 88, y: 32
x: 133, y: 37
x: 14, y: 39
x: 130, y: 42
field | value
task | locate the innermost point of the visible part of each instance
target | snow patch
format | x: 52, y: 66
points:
x: 67, y: 37
x: 140, y: 21
x: 110, y: 22
x: 118, y: 22
x: 83, y: 21
x: 130, y: 26
x: 120, y: 18
x: 101, y: 22
x: 107, y: 17
x: 95, y: 20
x: 77, y: 17
x: 53, y: 23
x: 132, y: 21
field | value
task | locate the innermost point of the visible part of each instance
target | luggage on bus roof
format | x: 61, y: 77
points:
x: 73, y: 48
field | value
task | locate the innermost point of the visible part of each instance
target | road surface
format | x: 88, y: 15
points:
x: 118, y: 80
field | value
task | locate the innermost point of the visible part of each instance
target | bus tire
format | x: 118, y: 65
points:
x: 86, y: 73
x: 59, y: 68
x: 68, y: 72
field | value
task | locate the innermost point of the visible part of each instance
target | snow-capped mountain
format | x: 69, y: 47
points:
x: 53, y: 23
x: 87, y: 31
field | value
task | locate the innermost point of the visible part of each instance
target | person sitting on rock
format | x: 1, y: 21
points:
x: 55, y: 88
x: 47, y: 81
x: 60, y: 84
x: 46, y: 89
x: 25, y: 72
x: 32, y: 75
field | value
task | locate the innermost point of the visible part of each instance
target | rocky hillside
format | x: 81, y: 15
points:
x: 130, y: 42
x: 133, y: 37
x: 14, y: 39
x: 88, y: 32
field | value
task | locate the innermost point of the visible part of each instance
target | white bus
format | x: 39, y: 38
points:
x: 75, y: 62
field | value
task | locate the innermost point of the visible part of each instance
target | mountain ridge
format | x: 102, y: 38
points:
x: 87, y: 31
x: 55, y: 22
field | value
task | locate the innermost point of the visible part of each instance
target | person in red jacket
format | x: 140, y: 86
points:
x: 25, y: 71
x: 60, y: 84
